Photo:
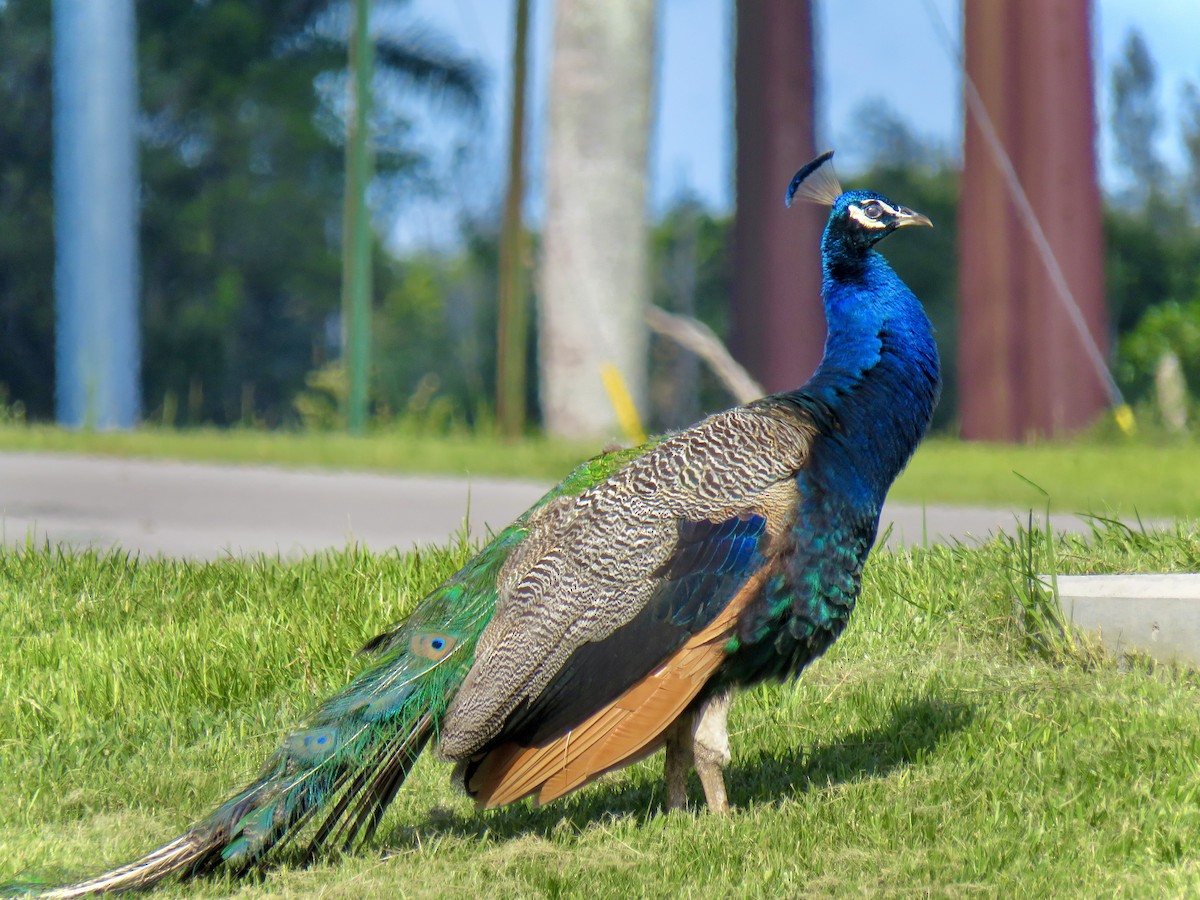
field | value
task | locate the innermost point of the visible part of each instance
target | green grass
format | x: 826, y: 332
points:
x: 1120, y: 477
x: 938, y: 749
x: 399, y: 451
x: 1126, y: 478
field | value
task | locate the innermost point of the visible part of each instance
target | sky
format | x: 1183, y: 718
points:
x: 692, y: 147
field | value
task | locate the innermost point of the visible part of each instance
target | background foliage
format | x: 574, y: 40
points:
x: 241, y: 205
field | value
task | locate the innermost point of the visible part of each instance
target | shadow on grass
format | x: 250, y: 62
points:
x: 917, y: 726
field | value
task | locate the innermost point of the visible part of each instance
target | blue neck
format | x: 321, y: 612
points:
x: 878, y: 381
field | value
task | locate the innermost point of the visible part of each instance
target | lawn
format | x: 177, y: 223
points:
x: 1126, y: 478
x: 391, y: 451
x: 941, y: 747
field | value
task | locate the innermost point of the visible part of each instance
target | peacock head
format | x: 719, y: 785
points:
x: 858, y: 219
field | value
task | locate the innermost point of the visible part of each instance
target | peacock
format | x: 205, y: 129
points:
x: 617, y: 614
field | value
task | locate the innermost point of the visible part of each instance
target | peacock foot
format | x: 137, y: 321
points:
x: 699, y: 739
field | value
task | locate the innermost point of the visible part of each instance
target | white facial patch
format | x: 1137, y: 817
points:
x: 866, y: 221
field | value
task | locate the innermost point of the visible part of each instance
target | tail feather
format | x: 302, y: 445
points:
x: 345, y: 796
x: 176, y: 856
x: 361, y: 806
x: 334, y: 776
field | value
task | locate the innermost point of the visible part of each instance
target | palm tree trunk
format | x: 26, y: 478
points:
x: 595, y: 263
x: 778, y: 321
x: 1025, y: 367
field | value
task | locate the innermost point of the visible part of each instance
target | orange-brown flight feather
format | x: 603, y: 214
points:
x: 630, y: 727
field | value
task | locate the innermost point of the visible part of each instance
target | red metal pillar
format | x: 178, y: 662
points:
x: 778, y: 321
x: 1024, y: 369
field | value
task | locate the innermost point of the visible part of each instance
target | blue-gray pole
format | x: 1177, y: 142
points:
x: 95, y: 200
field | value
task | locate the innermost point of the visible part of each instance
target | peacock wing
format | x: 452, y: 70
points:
x: 612, y: 700
x: 610, y: 585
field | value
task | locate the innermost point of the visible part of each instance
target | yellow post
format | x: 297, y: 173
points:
x: 618, y: 396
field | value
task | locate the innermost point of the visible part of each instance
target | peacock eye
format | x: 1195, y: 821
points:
x: 873, y: 210
x: 431, y: 646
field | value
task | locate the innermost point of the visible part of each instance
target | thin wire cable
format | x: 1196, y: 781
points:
x: 1024, y: 208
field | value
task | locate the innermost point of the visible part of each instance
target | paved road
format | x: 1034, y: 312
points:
x: 202, y: 511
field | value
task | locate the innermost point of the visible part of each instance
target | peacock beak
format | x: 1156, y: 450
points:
x: 906, y: 216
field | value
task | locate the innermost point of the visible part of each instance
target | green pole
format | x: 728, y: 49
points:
x: 512, y: 326
x: 356, y: 239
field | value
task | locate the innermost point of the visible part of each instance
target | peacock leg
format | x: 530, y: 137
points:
x: 710, y: 748
x: 679, y: 759
x: 699, y: 739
